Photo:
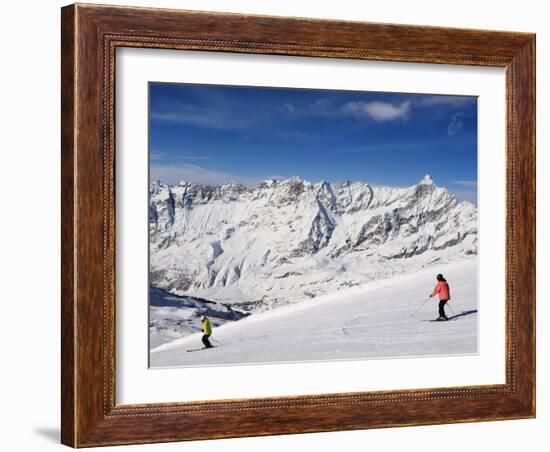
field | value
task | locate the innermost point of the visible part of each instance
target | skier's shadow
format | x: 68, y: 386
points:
x: 463, y: 313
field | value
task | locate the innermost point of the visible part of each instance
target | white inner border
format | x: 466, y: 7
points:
x: 136, y: 383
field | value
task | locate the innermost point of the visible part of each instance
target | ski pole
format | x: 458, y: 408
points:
x: 421, y: 306
x: 451, y: 308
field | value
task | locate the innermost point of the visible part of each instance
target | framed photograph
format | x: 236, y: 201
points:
x: 282, y: 225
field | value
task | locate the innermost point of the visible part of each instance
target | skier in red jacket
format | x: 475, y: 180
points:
x: 442, y: 289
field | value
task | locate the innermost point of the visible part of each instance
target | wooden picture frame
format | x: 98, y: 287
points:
x: 90, y: 36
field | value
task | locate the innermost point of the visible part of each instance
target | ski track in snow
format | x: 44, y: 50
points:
x: 370, y: 321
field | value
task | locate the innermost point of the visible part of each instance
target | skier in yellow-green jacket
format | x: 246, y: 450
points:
x: 207, y: 331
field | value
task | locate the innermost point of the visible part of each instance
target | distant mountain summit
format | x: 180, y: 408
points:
x: 284, y: 240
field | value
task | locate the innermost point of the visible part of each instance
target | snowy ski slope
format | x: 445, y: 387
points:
x: 370, y: 321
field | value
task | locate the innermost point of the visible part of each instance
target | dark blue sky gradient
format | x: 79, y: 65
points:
x: 212, y: 134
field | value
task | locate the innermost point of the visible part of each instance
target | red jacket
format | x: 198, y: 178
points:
x: 443, y: 290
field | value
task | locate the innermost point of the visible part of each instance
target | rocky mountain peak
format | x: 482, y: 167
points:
x: 292, y: 235
x: 426, y: 180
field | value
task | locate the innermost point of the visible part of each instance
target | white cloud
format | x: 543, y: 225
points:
x: 466, y: 195
x: 456, y: 125
x: 466, y: 183
x: 323, y: 107
x: 156, y: 155
x: 218, y: 117
x: 190, y: 156
x: 160, y: 156
x: 289, y: 108
x: 435, y: 100
x: 172, y: 174
x: 467, y: 190
x: 378, y: 110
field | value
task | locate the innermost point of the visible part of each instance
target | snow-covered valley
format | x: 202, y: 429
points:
x: 375, y: 320
x: 171, y: 317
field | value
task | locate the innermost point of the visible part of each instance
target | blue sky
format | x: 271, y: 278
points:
x: 213, y: 134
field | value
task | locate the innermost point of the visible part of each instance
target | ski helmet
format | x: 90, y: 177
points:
x: 440, y: 277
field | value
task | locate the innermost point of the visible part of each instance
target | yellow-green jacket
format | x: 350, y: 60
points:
x: 206, y: 327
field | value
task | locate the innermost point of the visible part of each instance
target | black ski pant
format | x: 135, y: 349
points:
x: 205, y: 340
x: 442, y: 308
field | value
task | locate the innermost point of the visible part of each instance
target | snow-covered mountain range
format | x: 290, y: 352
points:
x: 289, y: 240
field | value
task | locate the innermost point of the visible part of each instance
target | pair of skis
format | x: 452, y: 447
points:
x: 440, y: 320
x: 201, y: 348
